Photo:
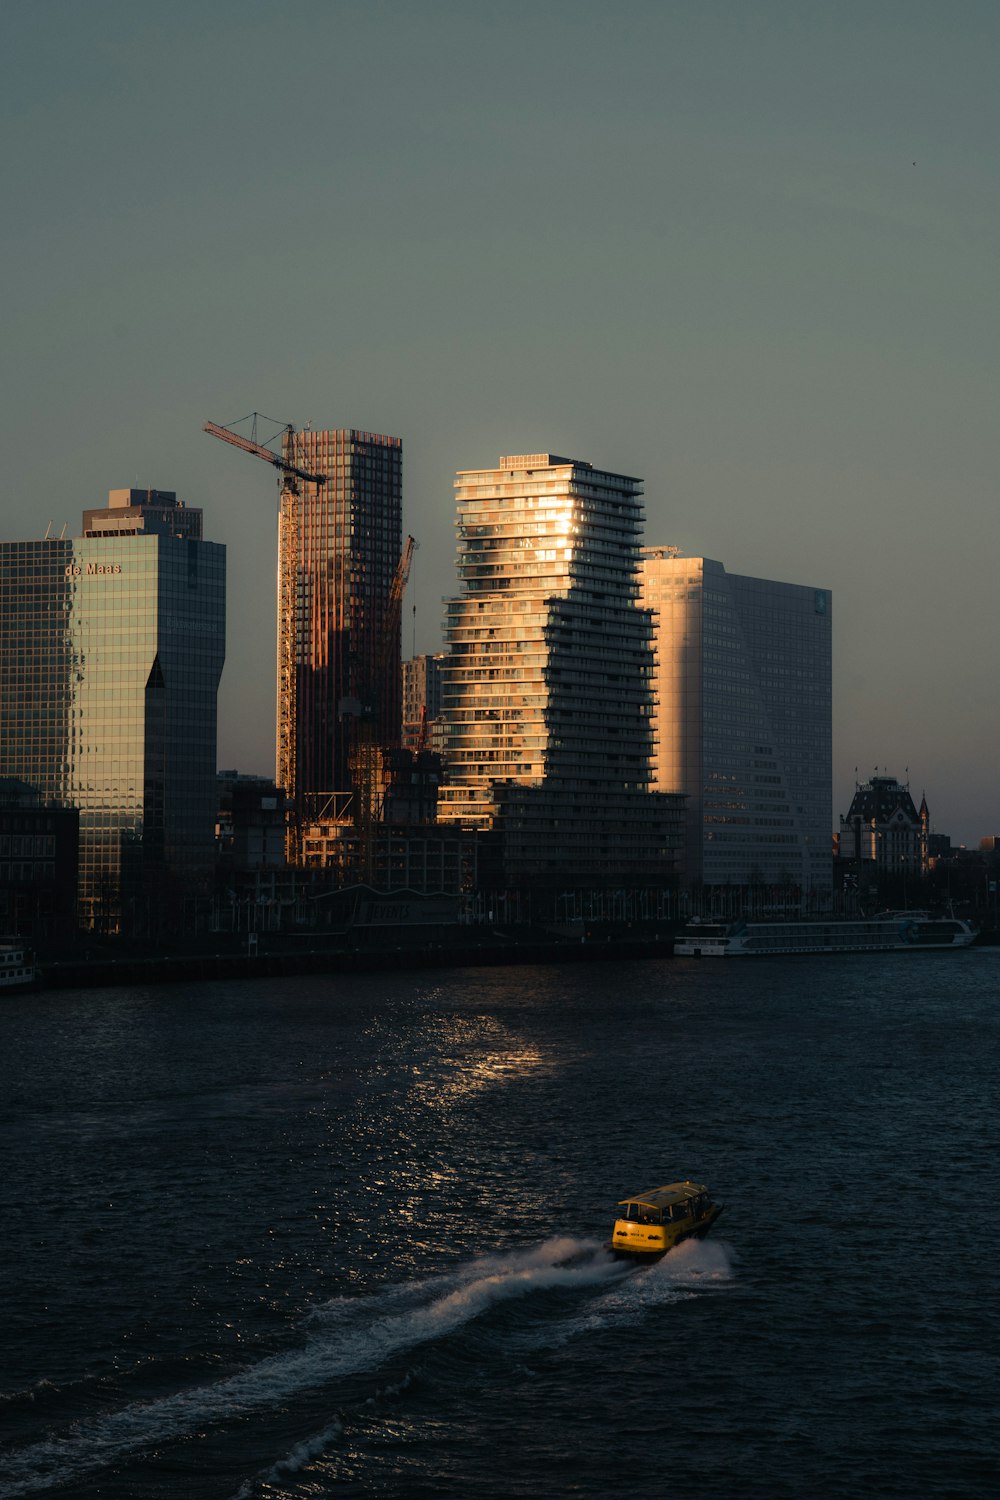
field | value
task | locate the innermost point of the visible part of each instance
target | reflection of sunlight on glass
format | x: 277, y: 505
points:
x: 561, y: 518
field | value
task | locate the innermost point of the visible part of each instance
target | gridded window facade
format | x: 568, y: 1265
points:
x: 111, y: 650
x: 339, y: 545
x: 421, y: 681
x: 744, y: 719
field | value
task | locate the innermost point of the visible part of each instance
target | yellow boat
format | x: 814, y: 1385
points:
x: 655, y: 1221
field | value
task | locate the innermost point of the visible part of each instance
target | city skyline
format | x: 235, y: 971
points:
x: 751, y: 261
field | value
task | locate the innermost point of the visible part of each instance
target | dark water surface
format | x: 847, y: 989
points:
x: 307, y: 1237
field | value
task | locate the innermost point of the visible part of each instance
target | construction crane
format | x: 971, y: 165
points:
x: 394, y: 608
x: 290, y: 471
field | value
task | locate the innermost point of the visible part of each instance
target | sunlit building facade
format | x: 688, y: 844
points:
x: 339, y: 545
x: 546, y: 684
x: 421, y: 700
x: 743, y: 719
x: 111, y: 651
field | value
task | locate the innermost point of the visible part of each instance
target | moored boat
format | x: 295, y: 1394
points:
x: 18, y: 969
x: 888, y: 932
x: 656, y: 1220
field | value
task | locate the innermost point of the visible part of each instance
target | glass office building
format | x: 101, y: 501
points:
x: 744, y: 719
x: 111, y: 651
x: 339, y: 545
x: 546, y: 685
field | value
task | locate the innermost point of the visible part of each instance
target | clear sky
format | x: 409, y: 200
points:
x: 746, y: 250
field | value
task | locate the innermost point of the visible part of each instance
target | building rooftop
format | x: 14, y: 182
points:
x: 881, y: 798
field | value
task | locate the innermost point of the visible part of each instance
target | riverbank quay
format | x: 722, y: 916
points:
x: 465, y: 953
x: 469, y: 947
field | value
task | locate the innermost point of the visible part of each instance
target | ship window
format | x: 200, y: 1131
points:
x: 632, y: 1212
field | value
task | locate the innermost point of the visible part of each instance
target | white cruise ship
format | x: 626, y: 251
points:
x: 888, y: 932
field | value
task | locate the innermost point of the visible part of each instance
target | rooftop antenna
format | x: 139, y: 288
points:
x: 62, y: 534
x: 47, y: 531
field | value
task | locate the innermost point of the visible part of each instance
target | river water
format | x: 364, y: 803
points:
x: 309, y: 1237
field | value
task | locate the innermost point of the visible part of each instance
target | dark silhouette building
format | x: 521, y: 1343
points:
x: 339, y: 545
x: 38, y: 862
x: 884, y: 833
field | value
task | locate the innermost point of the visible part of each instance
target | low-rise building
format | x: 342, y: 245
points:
x: 39, y: 847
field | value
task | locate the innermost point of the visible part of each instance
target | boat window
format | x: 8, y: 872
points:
x: 650, y: 1215
x: 632, y: 1212
x: 681, y: 1210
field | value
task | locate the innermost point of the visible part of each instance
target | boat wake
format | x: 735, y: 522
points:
x: 352, y: 1336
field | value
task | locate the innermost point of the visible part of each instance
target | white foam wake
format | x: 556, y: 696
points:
x: 692, y: 1267
x: 346, y: 1337
x: 631, y: 1291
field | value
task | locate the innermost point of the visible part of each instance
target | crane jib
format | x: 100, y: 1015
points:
x: 259, y: 451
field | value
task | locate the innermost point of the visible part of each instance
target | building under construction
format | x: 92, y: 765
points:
x: 339, y: 594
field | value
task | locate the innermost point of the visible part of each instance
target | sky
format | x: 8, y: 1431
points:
x: 744, y: 249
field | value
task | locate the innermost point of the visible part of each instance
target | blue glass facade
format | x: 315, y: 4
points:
x: 111, y: 650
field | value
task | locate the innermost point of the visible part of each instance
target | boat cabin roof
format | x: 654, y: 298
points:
x: 674, y: 1192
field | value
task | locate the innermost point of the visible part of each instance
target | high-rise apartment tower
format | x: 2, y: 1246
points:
x: 339, y: 545
x: 546, y: 686
x: 111, y: 650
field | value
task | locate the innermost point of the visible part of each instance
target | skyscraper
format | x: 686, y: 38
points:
x: 743, y: 719
x: 111, y: 650
x: 547, y: 681
x: 339, y: 545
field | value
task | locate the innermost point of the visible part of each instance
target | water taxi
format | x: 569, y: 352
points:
x: 889, y: 932
x: 653, y: 1222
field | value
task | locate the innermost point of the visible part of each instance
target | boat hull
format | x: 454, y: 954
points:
x: 667, y: 1240
x: 18, y: 970
x: 903, y: 932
